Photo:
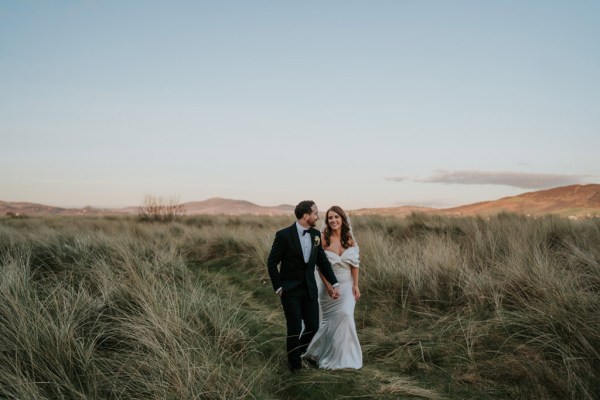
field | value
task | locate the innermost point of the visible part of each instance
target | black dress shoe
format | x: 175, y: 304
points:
x: 311, y: 363
x: 294, y: 369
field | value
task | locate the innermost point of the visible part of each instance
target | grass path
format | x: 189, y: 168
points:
x: 232, y: 278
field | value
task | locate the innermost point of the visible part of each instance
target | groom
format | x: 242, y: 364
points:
x: 298, y: 249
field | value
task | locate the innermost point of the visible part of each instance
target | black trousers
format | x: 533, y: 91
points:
x: 298, y: 307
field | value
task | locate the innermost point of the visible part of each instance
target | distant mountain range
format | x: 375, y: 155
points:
x: 576, y: 201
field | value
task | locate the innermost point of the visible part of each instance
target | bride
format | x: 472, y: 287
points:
x: 336, y: 344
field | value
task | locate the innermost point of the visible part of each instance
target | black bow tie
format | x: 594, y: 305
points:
x: 305, y: 232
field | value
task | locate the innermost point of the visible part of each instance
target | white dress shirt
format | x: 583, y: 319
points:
x: 305, y: 241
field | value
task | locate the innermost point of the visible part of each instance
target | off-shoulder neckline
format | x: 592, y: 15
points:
x: 340, y: 255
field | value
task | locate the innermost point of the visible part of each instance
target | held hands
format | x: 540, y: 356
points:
x: 334, y: 293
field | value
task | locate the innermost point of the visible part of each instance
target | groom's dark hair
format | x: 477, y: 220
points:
x: 304, y: 207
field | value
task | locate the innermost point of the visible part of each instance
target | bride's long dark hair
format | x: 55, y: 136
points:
x: 345, y: 237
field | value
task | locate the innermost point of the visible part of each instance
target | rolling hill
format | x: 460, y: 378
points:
x: 208, y: 207
x: 35, y: 209
x: 217, y: 205
x: 573, y: 200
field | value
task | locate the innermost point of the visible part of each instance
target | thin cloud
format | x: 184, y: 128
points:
x: 435, y: 203
x: 397, y: 178
x: 520, y: 180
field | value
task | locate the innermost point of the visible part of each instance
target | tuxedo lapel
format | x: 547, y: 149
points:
x: 294, y: 233
x: 312, y: 245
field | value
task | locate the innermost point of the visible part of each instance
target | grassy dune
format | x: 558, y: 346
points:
x: 452, y: 308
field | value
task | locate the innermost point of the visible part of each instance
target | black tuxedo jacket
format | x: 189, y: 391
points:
x: 288, y: 251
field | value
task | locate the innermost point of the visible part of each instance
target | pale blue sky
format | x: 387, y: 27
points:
x: 358, y: 103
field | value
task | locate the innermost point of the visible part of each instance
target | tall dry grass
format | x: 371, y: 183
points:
x: 109, y: 309
x: 511, y: 303
x: 502, y: 308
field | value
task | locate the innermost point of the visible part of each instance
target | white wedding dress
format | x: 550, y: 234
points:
x: 336, y: 344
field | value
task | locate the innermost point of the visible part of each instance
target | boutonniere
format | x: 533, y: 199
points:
x: 317, y: 241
